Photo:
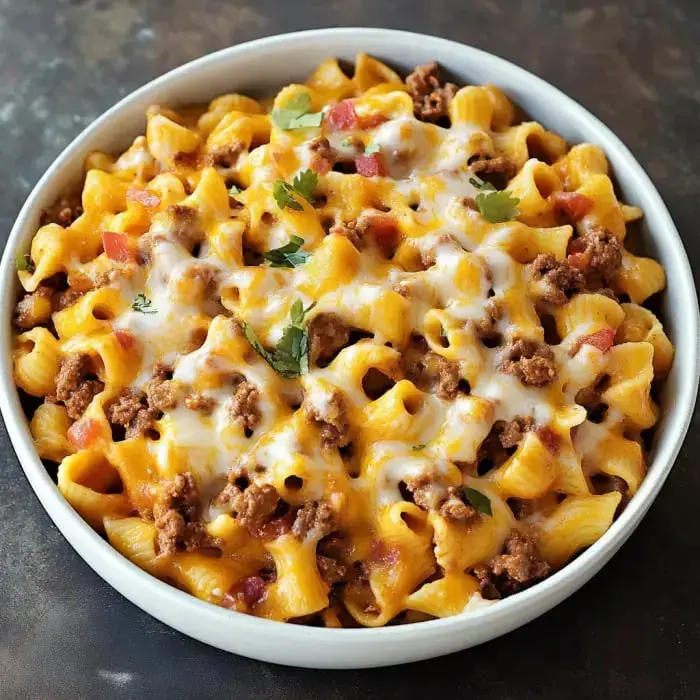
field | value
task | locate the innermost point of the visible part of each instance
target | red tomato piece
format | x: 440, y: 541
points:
x: 83, y: 433
x: 549, y: 439
x: 602, y: 339
x: 342, y: 116
x: 385, y: 231
x: 125, y: 339
x: 249, y: 591
x: 148, y: 199
x: 573, y: 204
x: 116, y: 246
x: 275, y: 528
x: 370, y: 166
x: 578, y: 260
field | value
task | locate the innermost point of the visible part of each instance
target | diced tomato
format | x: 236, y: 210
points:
x: 116, y: 246
x: 148, y: 199
x: 602, y: 339
x: 369, y: 121
x: 370, y: 166
x: 83, y: 433
x: 573, y: 204
x: 385, y: 231
x: 549, y: 439
x: 125, y: 339
x: 249, y: 590
x: 275, y: 528
x: 342, y: 116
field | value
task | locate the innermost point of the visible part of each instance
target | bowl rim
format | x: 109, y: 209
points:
x: 123, y: 575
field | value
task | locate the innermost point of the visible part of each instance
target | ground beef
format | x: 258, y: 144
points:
x: 314, y: 519
x: 27, y: 315
x: 455, y: 509
x: 243, y: 406
x: 227, y: 156
x: 252, y: 504
x: 323, y: 152
x: 560, y: 278
x: 130, y: 409
x: 497, y: 171
x: 531, y: 362
x: 429, y: 371
x: 486, y: 327
x: 513, y: 431
x: 176, y: 515
x: 162, y: 391
x: 64, y: 212
x: 350, y: 231
x: 205, y: 278
x: 518, y: 567
x: 184, y: 226
x: 75, y: 387
x: 431, y: 98
x: 491, y: 452
x: 331, y: 571
x: 66, y: 298
x: 328, y: 334
x: 332, y: 419
x: 199, y: 402
x: 603, y: 251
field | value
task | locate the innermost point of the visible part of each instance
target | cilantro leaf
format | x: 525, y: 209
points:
x: 234, y: 190
x: 481, y: 184
x: 288, y: 255
x: 24, y: 263
x: 477, y: 499
x: 303, y: 185
x: 295, y: 114
x: 290, y: 358
x: 497, y: 207
x: 143, y: 305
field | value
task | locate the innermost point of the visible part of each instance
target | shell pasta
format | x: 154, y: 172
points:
x: 371, y: 351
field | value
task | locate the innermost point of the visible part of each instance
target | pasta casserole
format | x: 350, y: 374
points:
x: 371, y: 352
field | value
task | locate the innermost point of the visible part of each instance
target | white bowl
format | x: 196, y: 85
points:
x: 261, y: 67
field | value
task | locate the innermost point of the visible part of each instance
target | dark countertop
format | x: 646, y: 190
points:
x: 633, y: 631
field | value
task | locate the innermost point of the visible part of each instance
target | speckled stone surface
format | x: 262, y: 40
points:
x: 632, y: 632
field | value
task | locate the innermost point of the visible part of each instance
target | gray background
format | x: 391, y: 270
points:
x: 633, y: 631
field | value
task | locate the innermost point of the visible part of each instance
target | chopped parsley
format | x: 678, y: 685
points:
x: 288, y: 255
x: 143, y: 305
x: 24, y: 263
x: 303, y: 186
x: 372, y: 148
x: 346, y: 142
x: 477, y: 499
x: 495, y: 205
x: 290, y: 357
x: 418, y: 448
x: 234, y: 190
x: 296, y: 115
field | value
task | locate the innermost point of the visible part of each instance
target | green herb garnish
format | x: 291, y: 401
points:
x: 290, y: 358
x: 418, y: 448
x: 24, y: 263
x: 234, y: 190
x: 288, y: 255
x: 346, y: 142
x: 143, y: 305
x: 296, y: 115
x: 478, y: 500
x: 373, y: 148
x: 303, y: 186
x: 495, y: 205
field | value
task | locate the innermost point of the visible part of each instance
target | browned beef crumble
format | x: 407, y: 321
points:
x: 185, y: 227
x: 429, y: 371
x: 531, y: 362
x: 176, y: 515
x: 68, y: 297
x: 64, y: 212
x: 74, y: 389
x: 253, y: 505
x: 227, y: 156
x: 162, y: 392
x: 429, y: 494
x: 513, y: 431
x: 24, y: 311
x: 199, y: 402
x: 327, y: 335
x: 243, y: 407
x: 486, y: 327
x: 331, y: 571
x: 131, y: 410
x: 603, y: 250
x: 520, y: 566
x: 332, y: 420
x: 314, y: 519
x: 497, y: 171
x: 351, y: 231
x: 560, y: 278
x: 431, y: 97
